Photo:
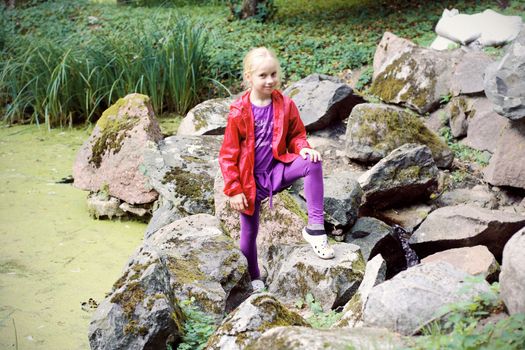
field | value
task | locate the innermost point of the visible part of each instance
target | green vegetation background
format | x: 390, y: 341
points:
x: 64, y: 62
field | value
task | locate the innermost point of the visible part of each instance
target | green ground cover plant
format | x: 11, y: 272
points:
x: 463, y: 328
x: 63, y: 62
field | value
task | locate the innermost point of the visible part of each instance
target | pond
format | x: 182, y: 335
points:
x: 53, y: 256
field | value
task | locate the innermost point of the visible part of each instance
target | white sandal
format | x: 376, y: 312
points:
x: 258, y: 286
x: 319, y: 244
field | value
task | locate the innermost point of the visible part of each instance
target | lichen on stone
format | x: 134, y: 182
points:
x: 129, y: 298
x: 189, y: 185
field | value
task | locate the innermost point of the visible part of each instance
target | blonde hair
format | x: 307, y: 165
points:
x: 252, y: 60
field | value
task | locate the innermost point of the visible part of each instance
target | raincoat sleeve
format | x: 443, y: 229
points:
x: 229, y: 157
x: 296, y: 137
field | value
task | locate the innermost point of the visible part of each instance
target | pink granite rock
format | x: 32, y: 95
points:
x: 112, y: 156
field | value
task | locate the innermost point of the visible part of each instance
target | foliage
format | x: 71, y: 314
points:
x: 463, y: 329
x: 198, y: 326
x: 463, y: 152
x: 66, y: 79
x: 265, y: 10
x: 319, y: 319
x: 365, y: 78
x: 66, y: 61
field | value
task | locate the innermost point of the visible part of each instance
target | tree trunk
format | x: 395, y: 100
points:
x: 249, y: 8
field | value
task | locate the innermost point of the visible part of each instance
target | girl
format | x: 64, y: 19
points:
x: 264, y: 151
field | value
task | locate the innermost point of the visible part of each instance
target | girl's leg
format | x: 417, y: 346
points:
x: 248, y: 241
x: 313, y: 185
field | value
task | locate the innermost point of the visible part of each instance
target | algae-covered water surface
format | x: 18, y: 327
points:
x: 53, y: 256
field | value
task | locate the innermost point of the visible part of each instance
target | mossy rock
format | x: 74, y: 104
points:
x: 374, y: 130
x: 416, y: 78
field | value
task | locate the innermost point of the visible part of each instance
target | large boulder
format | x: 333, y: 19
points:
x: 112, y: 156
x: 406, y: 175
x: 512, y: 276
x: 374, y: 130
x: 507, y: 165
x: 418, y: 77
x: 476, y: 261
x: 353, y: 311
x: 484, y: 125
x: 465, y: 226
x: 190, y: 258
x: 415, y: 77
x: 295, y: 271
x: 250, y: 320
x: 299, y: 338
x: 280, y: 224
x: 505, y: 81
x: 203, y: 263
x: 322, y: 99
x: 141, y: 311
x: 389, y: 46
x: 206, y: 118
x: 182, y: 169
x: 342, y: 198
x: 408, y: 217
x: 411, y: 298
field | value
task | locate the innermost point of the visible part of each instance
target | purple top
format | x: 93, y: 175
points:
x: 263, y: 121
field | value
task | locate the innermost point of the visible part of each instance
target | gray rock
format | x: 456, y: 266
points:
x: 389, y: 46
x: 322, y: 99
x: 512, y: 276
x: 182, y: 170
x: 342, y: 198
x: 294, y: 271
x: 505, y: 81
x: 250, y: 320
x: 188, y: 258
x: 281, y: 224
x: 416, y: 77
x: 366, y: 233
x: 411, y: 298
x: 353, y: 311
x: 163, y: 215
x: 467, y: 77
x: 407, y: 174
x: 476, y: 261
x: 374, y: 130
x: 299, y: 338
x: 100, y: 205
x: 141, y: 311
x: 113, y: 154
x: 479, y: 195
x: 206, y: 118
x: 484, y: 126
x: 465, y: 226
x: 203, y: 263
x: 458, y: 110
x: 507, y: 165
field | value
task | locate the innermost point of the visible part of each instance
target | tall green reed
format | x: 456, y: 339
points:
x: 63, y: 81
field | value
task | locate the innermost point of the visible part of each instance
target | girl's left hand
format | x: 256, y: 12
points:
x: 314, y: 155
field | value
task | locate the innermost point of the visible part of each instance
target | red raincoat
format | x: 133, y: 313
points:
x: 237, y: 154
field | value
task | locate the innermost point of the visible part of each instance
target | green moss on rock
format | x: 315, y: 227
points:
x: 387, y: 129
x: 129, y: 298
x: 114, y: 128
x: 189, y: 185
x: 395, y: 83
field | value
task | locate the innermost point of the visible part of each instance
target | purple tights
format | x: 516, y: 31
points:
x: 282, y: 176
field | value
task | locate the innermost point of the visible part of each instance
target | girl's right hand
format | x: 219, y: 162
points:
x: 239, y: 202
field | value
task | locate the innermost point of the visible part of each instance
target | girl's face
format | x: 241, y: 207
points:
x: 264, y: 79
